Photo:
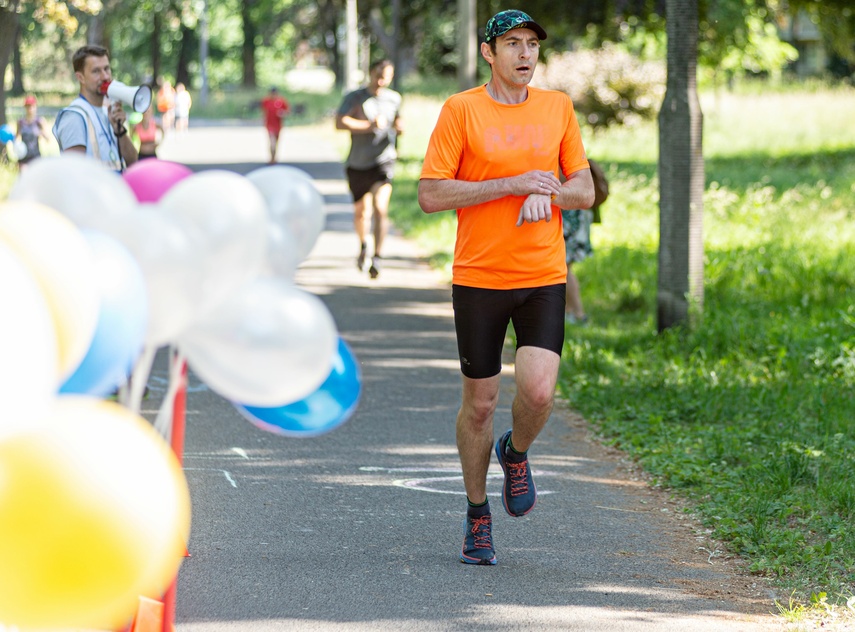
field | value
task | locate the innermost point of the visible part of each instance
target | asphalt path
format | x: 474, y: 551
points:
x: 361, y: 529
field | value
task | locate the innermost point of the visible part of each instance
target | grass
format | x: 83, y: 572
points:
x: 749, y: 414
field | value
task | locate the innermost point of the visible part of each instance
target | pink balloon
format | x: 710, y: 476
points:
x: 151, y: 178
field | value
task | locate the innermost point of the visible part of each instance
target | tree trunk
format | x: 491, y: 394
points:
x: 203, y: 54
x: 154, y: 45
x: 95, y: 31
x: 189, y: 45
x: 17, y: 65
x: 351, y: 56
x: 248, y: 50
x: 467, y: 42
x: 681, y: 173
x: 329, y: 13
x: 8, y: 26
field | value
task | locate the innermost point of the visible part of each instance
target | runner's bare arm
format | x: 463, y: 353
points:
x: 577, y: 192
x: 443, y: 195
x: 353, y: 124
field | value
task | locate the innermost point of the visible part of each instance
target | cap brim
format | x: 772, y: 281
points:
x: 533, y: 26
x: 537, y: 28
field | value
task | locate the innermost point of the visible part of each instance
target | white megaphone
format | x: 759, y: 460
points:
x: 138, y: 97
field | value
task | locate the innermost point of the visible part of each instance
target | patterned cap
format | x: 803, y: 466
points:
x: 504, y: 21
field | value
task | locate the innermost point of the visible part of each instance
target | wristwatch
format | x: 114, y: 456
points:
x: 121, y: 131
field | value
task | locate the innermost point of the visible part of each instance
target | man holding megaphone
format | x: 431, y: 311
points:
x: 86, y: 126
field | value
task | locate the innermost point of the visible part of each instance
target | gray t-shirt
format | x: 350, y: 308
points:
x: 370, y: 150
x: 71, y: 129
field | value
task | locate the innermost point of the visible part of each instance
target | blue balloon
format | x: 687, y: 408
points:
x: 122, y: 320
x: 6, y: 133
x: 324, y: 410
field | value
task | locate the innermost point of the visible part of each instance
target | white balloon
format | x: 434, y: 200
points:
x: 171, y: 257
x: 229, y: 215
x: 20, y: 149
x: 78, y: 187
x: 283, y: 256
x: 269, y: 344
x: 294, y: 206
x: 60, y: 258
x: 29, y: 361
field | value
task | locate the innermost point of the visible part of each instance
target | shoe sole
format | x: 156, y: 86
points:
x: 373, y: 272
x: 476, y: 561
x: 505, y: 471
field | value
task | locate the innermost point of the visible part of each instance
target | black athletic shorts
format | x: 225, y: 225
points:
x: 481, y: 319
x: 362, y: 180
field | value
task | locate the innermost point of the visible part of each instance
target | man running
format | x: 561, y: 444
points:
x: 372, y: 116
x: 493, y: 157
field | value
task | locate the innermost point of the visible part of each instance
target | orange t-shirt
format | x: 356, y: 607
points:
x: 477, y: 138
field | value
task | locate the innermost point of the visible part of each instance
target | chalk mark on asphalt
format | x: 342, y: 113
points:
x: 225, y: 473
x: 425, y: 484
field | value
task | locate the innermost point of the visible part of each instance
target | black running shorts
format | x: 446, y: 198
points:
x: 481, y: 319
x: 361, y: 181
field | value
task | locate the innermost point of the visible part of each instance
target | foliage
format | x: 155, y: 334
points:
x: 161, y: 37
x: 836, y: 22
x: 742, y: 38
x: 607, y: 85
x: 63, y: 14
x: 748, y: 414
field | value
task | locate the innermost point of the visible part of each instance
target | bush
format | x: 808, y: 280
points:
x: 608, y: 85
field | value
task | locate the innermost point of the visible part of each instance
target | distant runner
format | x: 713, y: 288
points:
x: 275, y: 108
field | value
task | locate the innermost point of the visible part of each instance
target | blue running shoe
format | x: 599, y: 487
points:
x: 478, y: 540
x: 519, y: 494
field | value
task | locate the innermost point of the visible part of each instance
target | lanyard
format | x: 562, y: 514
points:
x: 107, y: 132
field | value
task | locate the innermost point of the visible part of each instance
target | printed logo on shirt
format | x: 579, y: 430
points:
x: 522, y: 138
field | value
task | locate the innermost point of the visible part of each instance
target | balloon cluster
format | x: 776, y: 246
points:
x: 97, y: 272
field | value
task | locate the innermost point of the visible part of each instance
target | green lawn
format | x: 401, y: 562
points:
x: 750, y: 414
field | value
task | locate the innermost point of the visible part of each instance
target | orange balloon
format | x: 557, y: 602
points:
x: 94, y: 512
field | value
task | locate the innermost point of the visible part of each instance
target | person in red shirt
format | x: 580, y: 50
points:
x: 275, y: 108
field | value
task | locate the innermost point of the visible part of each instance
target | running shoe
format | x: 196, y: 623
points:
x: 519, y: 494
x: 478, y: 541
x: 374, y: 270
x: 360, y: 260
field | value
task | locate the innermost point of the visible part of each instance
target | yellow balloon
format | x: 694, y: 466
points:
x: 58, y: 255
x: 94, y: 512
